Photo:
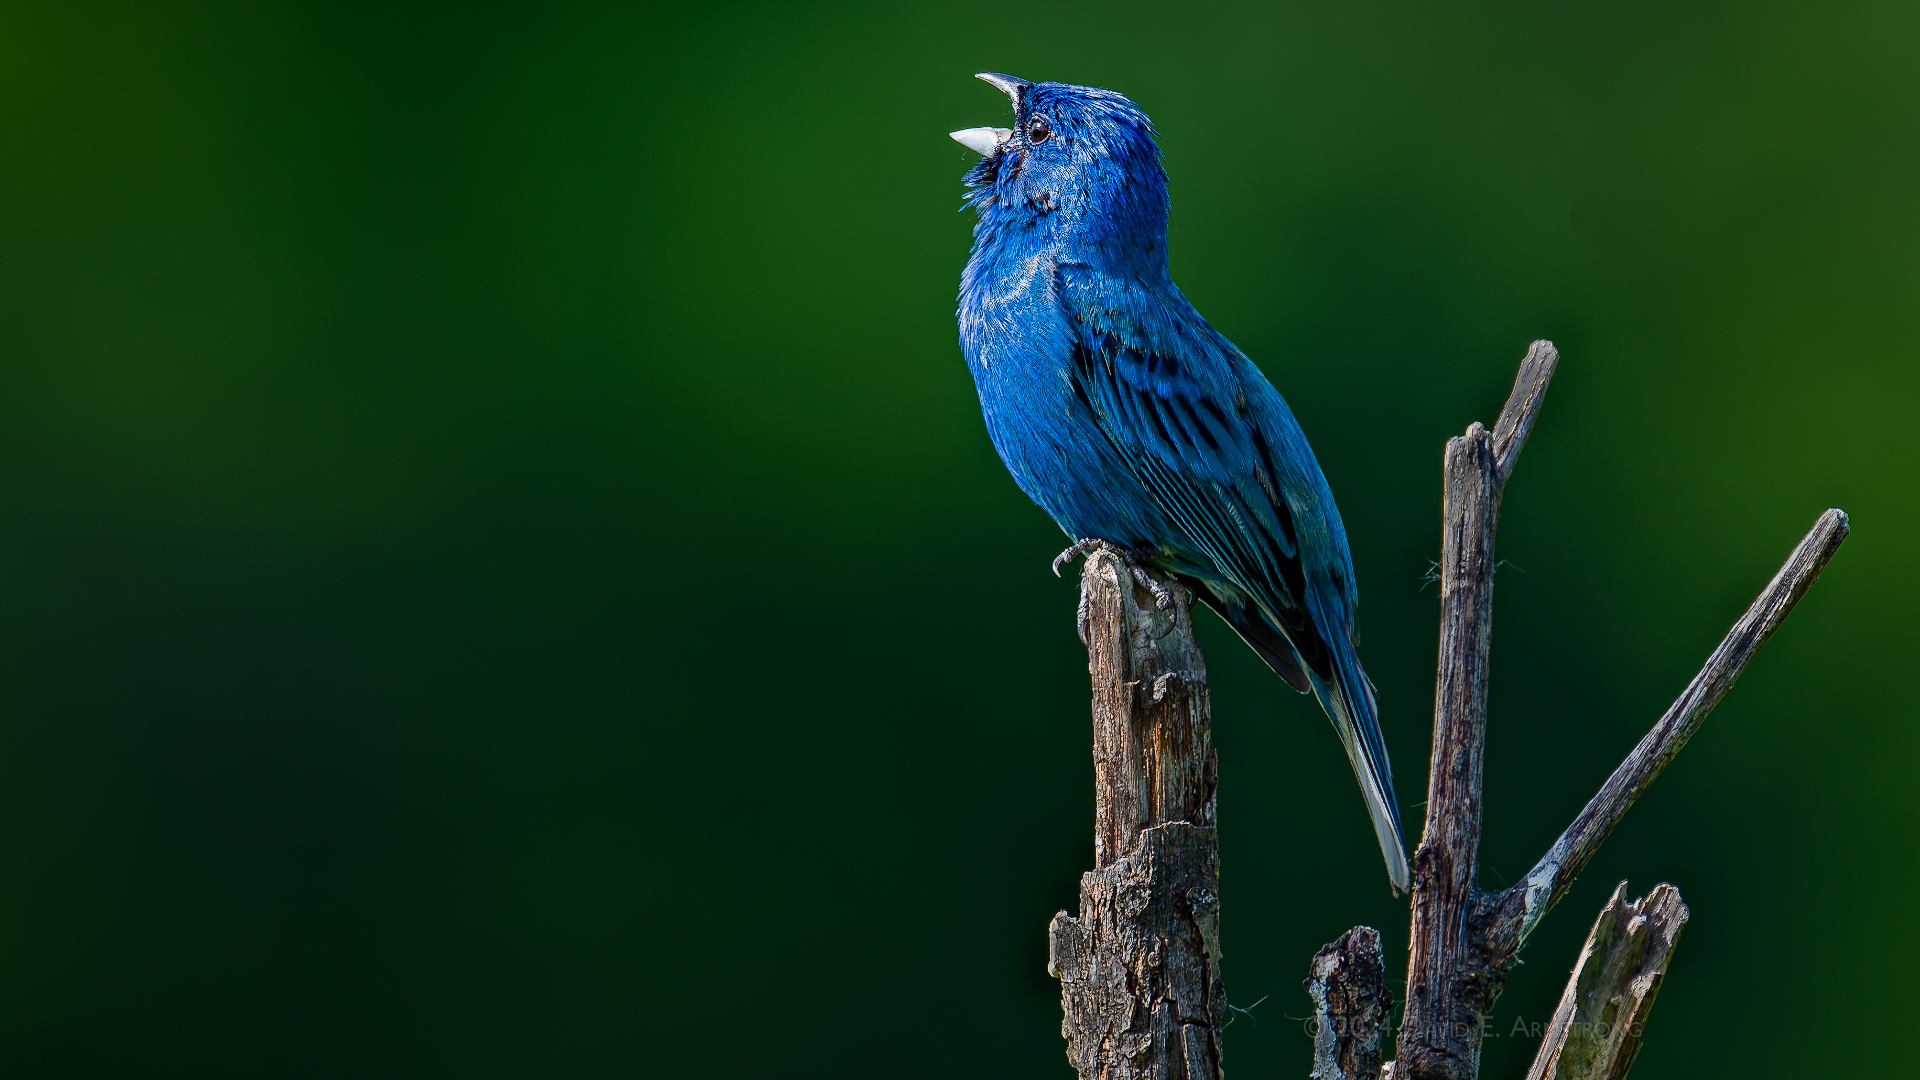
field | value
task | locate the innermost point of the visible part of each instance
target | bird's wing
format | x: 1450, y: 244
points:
x: 1181, y: 416
x: 1212, y: 472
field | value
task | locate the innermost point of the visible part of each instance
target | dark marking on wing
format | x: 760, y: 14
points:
x: 1213, y: 478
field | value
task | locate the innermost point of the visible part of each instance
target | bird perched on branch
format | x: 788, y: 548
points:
x: 1132, y: 421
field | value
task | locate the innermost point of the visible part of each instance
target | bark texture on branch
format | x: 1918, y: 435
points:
x: 1348, y: 985
x: 1139, y: 967
x: 1450, y: 985
x: 1448, y: 988
x: 1596, y: 1031
x: 1522, y: 409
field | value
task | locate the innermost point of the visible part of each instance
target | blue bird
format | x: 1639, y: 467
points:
x: 1131, y: 420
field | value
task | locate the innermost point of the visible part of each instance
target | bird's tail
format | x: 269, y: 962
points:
x: 1350, y: 705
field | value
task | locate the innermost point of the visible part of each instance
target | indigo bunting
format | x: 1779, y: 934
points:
x: 1132, y: 421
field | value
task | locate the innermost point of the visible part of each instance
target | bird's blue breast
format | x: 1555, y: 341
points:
x: 1019, y: 343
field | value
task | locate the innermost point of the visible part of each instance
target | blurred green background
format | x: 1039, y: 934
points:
x: 504, y: 574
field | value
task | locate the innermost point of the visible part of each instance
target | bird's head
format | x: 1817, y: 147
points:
x: 1078, y: 168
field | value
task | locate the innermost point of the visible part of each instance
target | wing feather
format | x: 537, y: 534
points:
x: 1212, y: 473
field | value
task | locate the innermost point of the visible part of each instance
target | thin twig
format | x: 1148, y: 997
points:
x: 1522, y: 408
x: 1521, y: 907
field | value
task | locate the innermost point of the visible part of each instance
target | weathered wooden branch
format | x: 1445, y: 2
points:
x: 1596, y: 1031
x: 1521, y: 907
x: 1450, y: 987
x: 1139, y: 967
x: 1348, y: 984
x: 1465, y: 940
x: 1521, y: 410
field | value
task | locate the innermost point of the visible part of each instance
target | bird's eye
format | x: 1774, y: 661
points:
x: 1038, y: 130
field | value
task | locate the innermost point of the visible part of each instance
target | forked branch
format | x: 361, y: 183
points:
x: 1464, y: 940
x: 1522, y: 408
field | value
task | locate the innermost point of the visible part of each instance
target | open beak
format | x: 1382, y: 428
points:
x: 987, y: 141
x: 1013, y: 86
x: 983, y: 141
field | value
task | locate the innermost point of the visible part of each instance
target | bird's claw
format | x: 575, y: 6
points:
x: 1080, y: 546
x: 1162, y: 596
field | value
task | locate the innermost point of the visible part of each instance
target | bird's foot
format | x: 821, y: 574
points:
x: 1162, y: 596
x: 1079, y: 547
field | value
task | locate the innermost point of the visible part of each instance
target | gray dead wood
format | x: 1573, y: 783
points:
x: 1521, y: 907
x: 1596, y: 1031
x: 1348, y: 984
x: 1139, y: 967
x: 1450, y: 988
x: 1465, y: 940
